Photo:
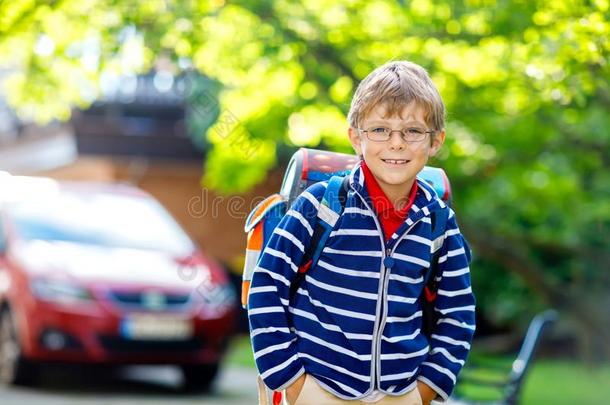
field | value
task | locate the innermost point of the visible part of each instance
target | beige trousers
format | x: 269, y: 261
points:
x: 313, y: 394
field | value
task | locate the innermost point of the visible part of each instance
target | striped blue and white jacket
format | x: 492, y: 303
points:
x: 354, y: 324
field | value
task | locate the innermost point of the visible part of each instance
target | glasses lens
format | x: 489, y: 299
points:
x: 414, y: 134
x: 378, y: 134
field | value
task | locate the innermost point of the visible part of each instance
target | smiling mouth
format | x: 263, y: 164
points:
x: 396, y: 161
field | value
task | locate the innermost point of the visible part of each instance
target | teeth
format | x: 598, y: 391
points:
x: 395, y: 161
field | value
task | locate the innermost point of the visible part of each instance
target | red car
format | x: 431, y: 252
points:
x: 102, y: 274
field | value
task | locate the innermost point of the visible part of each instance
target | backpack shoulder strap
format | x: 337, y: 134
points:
x: 335, y: 194
x: 330, y: 209
x: 428, y: 295
x: 439, y: 224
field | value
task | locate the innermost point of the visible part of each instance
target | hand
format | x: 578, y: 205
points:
x: 427, y: 393
x: 293, y: 392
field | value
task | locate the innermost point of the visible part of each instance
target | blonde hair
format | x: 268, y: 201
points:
x: 395, y: 85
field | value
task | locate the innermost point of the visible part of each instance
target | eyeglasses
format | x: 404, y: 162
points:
x: 383, y: 134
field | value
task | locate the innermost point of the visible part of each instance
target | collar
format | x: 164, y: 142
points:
x: 426, y: 199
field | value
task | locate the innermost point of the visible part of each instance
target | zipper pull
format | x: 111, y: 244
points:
x: 388, y: 261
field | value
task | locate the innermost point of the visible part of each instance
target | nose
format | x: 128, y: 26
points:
x: 396, y: 142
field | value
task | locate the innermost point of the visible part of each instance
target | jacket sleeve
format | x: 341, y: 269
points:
x: 273, y: 343
x: 455, y: 306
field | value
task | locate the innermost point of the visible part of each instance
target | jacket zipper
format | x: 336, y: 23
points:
x: 381, y: 307
x: 382, y: 320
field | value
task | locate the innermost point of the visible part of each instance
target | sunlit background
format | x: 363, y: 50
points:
x: 200, y: 104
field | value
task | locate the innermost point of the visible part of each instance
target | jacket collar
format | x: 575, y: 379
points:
x: 426, y: 200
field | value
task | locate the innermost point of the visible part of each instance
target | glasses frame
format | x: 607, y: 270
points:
x: 402, y: 134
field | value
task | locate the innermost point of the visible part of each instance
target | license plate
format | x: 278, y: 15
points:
x: 156, y: 327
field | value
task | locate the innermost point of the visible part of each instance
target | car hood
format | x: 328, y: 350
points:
x: 106, y: 265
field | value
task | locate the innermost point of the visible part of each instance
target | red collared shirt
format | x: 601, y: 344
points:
x: 390, y: 217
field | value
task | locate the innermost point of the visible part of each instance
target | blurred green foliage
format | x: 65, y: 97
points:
x: 526, y: 84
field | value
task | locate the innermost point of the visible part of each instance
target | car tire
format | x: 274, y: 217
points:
x: 14, y: 368
x: 199, y: 378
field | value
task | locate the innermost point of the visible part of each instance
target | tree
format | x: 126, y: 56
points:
x: 527, y: 87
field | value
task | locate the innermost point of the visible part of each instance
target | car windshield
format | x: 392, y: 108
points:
x: 103, y: 219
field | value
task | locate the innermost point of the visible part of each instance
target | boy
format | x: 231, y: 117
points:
x: 352, y: 332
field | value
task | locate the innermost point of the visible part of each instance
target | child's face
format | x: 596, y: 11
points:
x: 395, y: 163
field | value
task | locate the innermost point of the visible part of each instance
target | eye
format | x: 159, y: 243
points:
x: 416, y: 131
x: 378, y: 130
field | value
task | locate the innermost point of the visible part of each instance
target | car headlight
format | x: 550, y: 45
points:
x: 59, y: 291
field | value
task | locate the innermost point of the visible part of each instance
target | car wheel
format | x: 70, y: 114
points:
x: 199, y: 378
x: 14, y: 368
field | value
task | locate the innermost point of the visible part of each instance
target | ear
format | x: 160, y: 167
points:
x: 437, y: 143
x: 355, y: 140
